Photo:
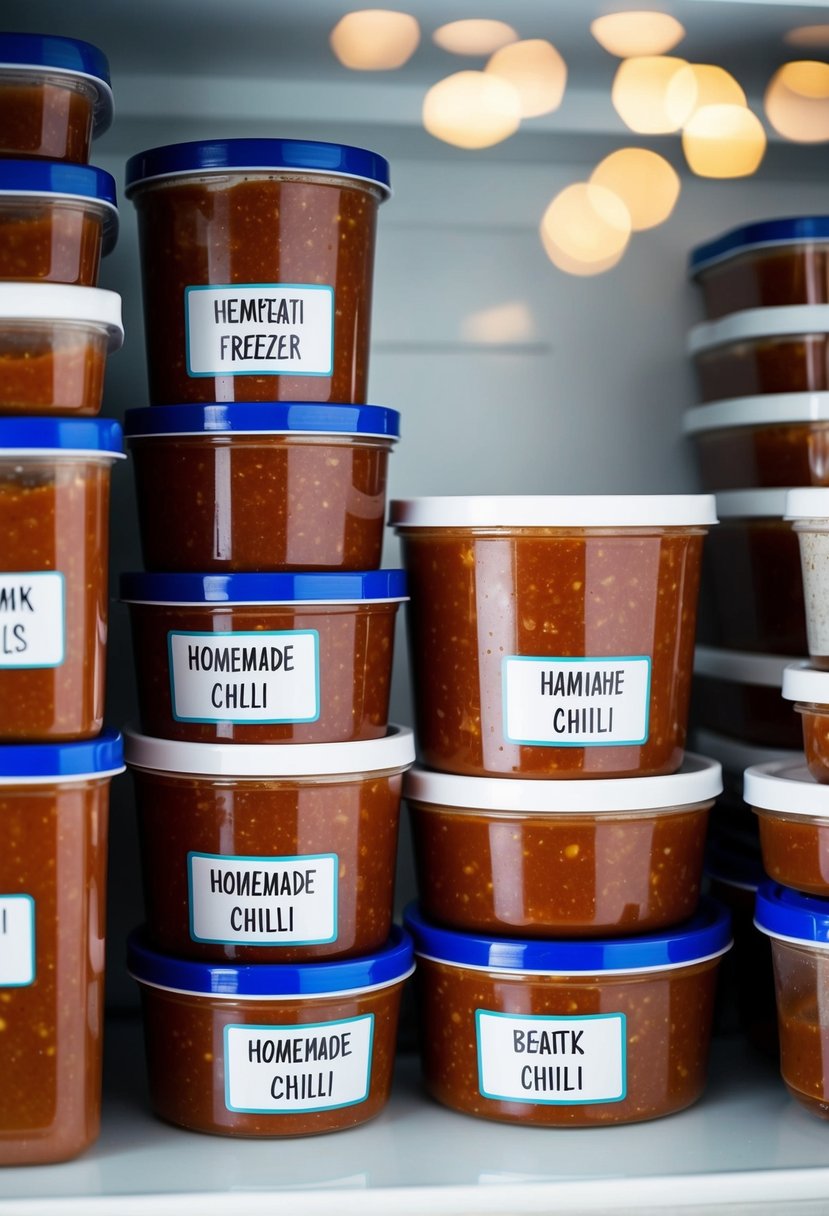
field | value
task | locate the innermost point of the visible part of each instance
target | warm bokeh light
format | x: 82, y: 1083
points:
x: 474, y: 36
x: 808, y: 35
x: 724, y: 141
x: 472, y: 110
x: 586, y: 229
x: 510, y: 322
x: 701, y: 84
x: 637, y: 33
x: 375, y: 39
x: 536, y: 70
x: 797, y: 101
x: 640, y: 90
x: 645, y: 182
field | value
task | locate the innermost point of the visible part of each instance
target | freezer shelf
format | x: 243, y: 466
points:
x: 745, y: 1144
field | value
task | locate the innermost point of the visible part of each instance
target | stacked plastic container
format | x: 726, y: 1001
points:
x: 268, y: 780
x: 566, y: 965
x: 58, y: 215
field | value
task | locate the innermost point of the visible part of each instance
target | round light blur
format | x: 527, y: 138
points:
x: 645, y: 182
x: 637, y: 33
x: 375, y: 39
x: 640, y: 91
x: 474, y: 36
x: 797, y: 101
x: 472, y: 110
x: 586, y: 229
x: 701, y: 84
x: 724, y: 141
x: 536, y: 70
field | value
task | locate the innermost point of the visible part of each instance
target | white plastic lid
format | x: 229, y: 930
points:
x: 699, y: 780
x: 752, y: 504
x: 394, y: 751
x: 759, y: 323
x: 61, y: 302
x: 788, y: 788
x: 740, y: 666
x: 555, y: 511
x: 756, y: 411
x: 810, y: 502
x: 736, y: 756
x: 802, y: 682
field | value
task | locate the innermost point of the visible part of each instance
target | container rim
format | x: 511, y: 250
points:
x: 698, y: 780
x: 555, y: 511
x: 346, y: 587
x: 394, y: 751
x: 66, y: 57
x: 761, y: 235
x: 42, y: 763
x: 754, y: 323
x: 808, y: 503
x: 785, y: 788
x: 63, y: 181
x: 792, y: 916
x: 803, y: 682
x: 22, y: 302
x: 38, y: 437
x: 255, y: 418
x: 756, y: 411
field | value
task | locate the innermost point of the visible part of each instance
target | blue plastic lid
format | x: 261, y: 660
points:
x: 755, y: 236
x: 251, y: 417
x: 48, y: 177
x: 65, y: 55
x: 103, y: 756
x: 704, y: 936
x: 349, y: 586
x: 791, y: 915
x: 61, y: 434
x: 219, y: 155
x: 393, y: 963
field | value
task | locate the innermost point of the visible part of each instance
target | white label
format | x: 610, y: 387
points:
x: 32, y: 620
x: 17, y: 941
x: 555, y: 1061
x: 285, y: 1069
x: 267, y: 676
x: 260, y: 329
x: 263, y: 901
x: 558, y: 702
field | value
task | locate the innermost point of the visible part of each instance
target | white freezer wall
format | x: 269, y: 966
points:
x: 510, y: 376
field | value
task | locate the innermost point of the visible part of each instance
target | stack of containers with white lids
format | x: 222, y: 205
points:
x: 268, y: 779
x: 58, y: 215
x: 566, y: 963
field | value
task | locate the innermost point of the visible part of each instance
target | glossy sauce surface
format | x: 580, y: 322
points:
x: 43, y: 120
x: 51, y: 369
x: 785, y: 364
x: 796, y: 851
x: 785, y: 454
x: 767, y: 278
x: 53, y: 242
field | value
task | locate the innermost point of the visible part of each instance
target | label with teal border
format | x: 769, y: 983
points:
x: 32, y: 619
x: 576, y: 702
x: 267, y: 676
x: 284, y: 1070
x: 552, y: 1061
x: 259, y: 329
x: 18, y: 968
x: 263, y: 901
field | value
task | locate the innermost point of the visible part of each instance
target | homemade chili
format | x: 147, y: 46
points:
x: 793, y: 811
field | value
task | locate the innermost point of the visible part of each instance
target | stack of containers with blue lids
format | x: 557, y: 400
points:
x: 267, y: 776
x: 566, y: 963
x: 58, y: 215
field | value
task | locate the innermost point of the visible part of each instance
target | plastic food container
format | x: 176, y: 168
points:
x: 798, y: 926
x: 54, y: 342
x: 746, y: 985
x: 751, y: 595
x: 55, y: 221
x: 249, y: 487
x: 809, y: 688
x: 732, y: 823
x: 781, y: 439
x: 553, y: 636
x: 54, y: 803
x: 264, y: 658
x: 270, y: 1050
x: 769, y: 264
x: 54, y: 524
x: 739, y: 694
x: 808, y: 510
x: 257, y: 260
x: 568, y: 1034
x: 269, y: 854
x: 561, y: 858
x: 55, y: 96
x: 793, y: 810
x: 762, y: 350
